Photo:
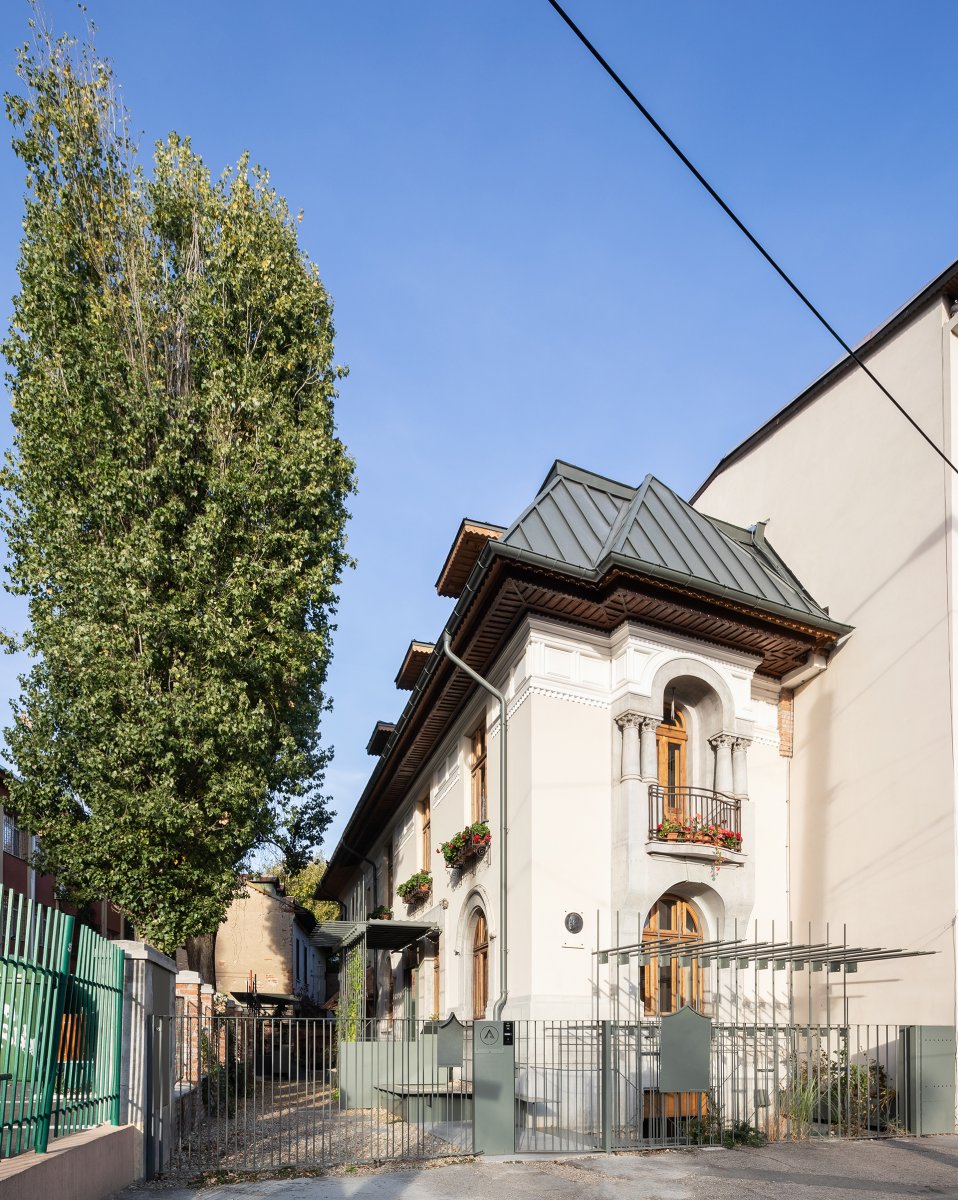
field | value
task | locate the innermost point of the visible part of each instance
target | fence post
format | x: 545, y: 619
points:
x: 605, y: 1082
x: 146, y: 1085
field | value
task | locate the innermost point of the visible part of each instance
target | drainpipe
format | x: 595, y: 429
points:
x: 503, y: 923
x: 372, y: 867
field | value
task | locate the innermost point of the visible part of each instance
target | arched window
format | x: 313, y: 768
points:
x: 666, y: 986
x: 480, y: 965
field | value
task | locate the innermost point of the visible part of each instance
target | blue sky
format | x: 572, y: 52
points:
x: 521, y: 270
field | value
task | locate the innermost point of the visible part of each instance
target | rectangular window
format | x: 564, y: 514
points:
x: 426, y: 835
x: 16, y: 841
x: 478, y: 761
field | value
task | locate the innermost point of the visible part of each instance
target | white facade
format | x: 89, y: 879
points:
x: 578, y: 814
x: 843, y: 767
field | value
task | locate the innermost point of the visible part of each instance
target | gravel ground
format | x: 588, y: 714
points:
x: 303, y: 1127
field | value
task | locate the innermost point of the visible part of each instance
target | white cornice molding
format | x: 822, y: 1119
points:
x: 537, y: 687
x: 659, y: 639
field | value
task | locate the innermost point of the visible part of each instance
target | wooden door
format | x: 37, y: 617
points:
x: 672, y: 743
x: 665, y: 985
x: 480, y: 966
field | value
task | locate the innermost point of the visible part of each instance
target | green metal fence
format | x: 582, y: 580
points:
x: 61, y: 1004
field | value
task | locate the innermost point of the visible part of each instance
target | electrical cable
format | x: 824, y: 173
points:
x: 744, y: 228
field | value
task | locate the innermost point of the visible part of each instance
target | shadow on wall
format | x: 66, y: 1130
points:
x: 809, y: 849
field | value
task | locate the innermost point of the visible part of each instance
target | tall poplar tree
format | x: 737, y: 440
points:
x: 175, y: 506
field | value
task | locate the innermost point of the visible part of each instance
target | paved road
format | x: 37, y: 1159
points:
x: 806, y: 1171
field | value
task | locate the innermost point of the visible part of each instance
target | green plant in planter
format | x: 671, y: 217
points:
x: 381, y: 912
x: 472, y: 840
x: 415, y: 886
x: 667, y: 826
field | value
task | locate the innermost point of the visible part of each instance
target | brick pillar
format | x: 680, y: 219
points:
x: 189, y: 1006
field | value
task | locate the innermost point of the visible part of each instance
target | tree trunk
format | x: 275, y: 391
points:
x: 201, y: 956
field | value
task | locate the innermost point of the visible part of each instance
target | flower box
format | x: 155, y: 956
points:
x: 416, y: 888
x: 463, y: 847
x: 381, y: 913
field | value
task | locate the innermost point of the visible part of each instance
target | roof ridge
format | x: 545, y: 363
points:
x: 561, y: 469
x: 624, y: 521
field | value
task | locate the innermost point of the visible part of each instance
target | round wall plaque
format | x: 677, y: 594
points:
x: 573, y: 922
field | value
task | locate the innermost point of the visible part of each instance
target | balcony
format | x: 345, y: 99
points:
x: 695, y: 822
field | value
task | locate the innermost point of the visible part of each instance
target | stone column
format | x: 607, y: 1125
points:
x: 146, y: 1055
x: 740, y: 766
x: 629, y: 724
x: 722, y: 745
x: 650, y: 754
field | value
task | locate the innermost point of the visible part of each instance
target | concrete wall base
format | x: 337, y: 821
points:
x: 84, y: 1166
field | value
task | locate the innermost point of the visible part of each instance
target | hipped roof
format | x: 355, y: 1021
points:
x: 584, y: 521
x: 597, y: 553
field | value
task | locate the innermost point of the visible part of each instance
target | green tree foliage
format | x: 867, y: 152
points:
x: 301, y: 886
x: 174, y: 505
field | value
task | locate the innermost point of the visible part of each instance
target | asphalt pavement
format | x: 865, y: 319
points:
x: 785, y: 1171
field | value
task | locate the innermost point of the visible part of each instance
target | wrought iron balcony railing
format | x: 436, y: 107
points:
x: 685, y: 814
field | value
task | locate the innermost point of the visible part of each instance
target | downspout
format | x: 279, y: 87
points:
x: 503, y: 923
x: 372, y: 867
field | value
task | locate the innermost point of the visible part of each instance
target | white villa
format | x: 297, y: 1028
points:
x: 695, y: 745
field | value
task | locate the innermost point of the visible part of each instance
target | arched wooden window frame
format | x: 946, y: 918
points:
x: 667, y: 986
x: 480, y: 964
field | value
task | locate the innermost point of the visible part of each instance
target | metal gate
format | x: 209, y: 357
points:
x: 260, y: 1093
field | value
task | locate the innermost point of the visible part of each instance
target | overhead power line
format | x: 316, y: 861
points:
x: 744, y: 228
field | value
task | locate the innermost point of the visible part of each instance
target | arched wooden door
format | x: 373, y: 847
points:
x: 672, y: 744
x: 666, y: 986
x: 480, y: 965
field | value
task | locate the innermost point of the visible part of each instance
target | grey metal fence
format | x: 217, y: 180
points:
x: 262, y: 1093
x: 259, y: 1093
x: 586, y: 1086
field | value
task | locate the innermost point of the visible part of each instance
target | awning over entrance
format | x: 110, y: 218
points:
x: 739, y: 952
x: 379, y: 935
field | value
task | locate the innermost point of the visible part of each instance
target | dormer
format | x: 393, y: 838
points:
x: 464, y: 554
x: 381, y: 734
x: 412, y: 665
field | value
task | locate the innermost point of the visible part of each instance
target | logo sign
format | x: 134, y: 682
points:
x: 489, y: 1037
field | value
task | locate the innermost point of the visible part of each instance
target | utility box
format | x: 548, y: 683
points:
x: 926, y: 1078
x: 493, y: 1087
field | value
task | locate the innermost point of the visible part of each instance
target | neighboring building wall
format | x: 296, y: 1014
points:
x: 857, y: 503
x: 256, y: 939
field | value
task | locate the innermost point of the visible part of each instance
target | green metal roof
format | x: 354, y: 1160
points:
x: 584, y: 521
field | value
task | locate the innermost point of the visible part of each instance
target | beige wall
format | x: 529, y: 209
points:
x: 856, y: 502
x: 256, y: 936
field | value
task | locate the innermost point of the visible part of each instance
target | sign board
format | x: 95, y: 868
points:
x: 487, y: 1037
x: 449, y: 1042
x: 685, y: 1051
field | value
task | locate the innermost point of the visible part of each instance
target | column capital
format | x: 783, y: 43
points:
x: 721, y: 740
x: 741, y: 744
x: 636, y: 720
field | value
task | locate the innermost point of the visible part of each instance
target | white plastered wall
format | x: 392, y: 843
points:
x: 856, y: 503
